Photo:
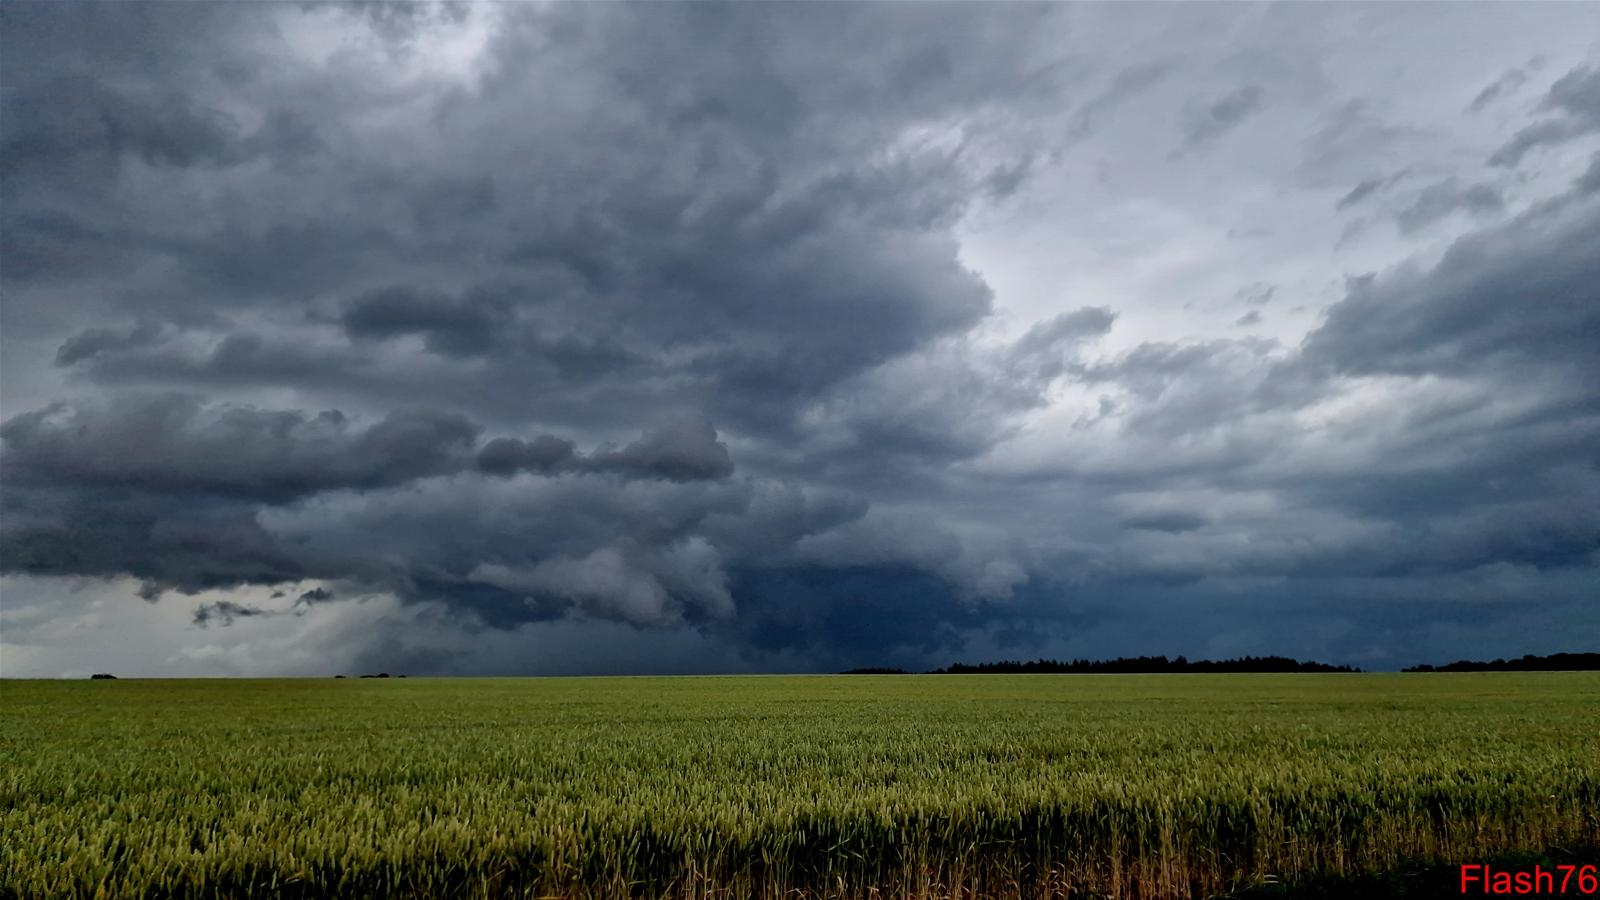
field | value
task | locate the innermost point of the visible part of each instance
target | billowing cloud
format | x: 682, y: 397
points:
x: 173, y: 444
x: 681, y: 451
x: 753, y: 337
x: 1462, y: 315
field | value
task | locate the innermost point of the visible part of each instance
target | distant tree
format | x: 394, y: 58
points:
x: 102, y: 676
x: 1556, y: 662
x: 1142, y: 665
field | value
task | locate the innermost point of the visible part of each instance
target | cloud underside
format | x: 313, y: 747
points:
x: 561, y: 339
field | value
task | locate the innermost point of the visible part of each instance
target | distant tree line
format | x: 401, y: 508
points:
x: 1126, y: 665
x: 1556, y: 662
x: 1143, y: 665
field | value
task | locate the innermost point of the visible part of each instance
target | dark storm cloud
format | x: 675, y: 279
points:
x: 508, y: 456
x: 95, y: 341
x: 91, y: 87
x: 1463, y: 315
x: 174, y: 492
x: 175, y: 444
x: 681, y: 451
x: 819, y: 271
x: 684, y: 451
x: 641, y: 551
x: 1493, y: 467
x: 897, y: 427
x: 1501, y: 469
x: 188, y: 358
x: 1573, y: 105
x: 854, y: 613
x: 78, y: 124
x: 167, y: 489
x: 661, y: 319
x: 169, y: 543
x: 447, y: 327
x: 775, y: 516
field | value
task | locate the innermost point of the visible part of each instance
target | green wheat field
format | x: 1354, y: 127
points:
x: 824, y: 786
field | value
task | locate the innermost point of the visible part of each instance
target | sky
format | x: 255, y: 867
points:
x: 609, y: 338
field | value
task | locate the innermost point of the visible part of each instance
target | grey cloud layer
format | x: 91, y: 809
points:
x: 661, y: 316
x: 173, y: 444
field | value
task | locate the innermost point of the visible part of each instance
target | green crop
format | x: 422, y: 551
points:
x: 919, y: 786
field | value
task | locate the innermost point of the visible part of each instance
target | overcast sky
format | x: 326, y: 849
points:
x: 514, y: 338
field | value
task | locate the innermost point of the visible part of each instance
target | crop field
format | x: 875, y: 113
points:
x: 858, y: 786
